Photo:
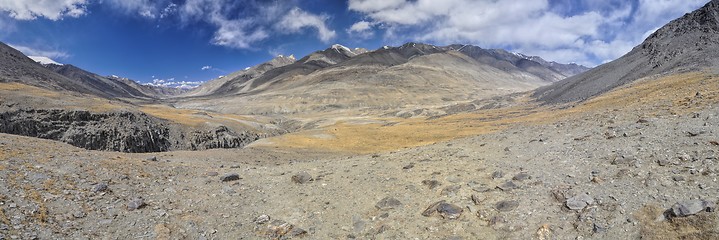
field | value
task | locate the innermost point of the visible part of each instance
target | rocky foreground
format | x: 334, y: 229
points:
x: 602, y: 175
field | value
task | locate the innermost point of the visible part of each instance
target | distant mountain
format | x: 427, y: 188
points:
x: 338, y: 56
x: 45, y: 73
x: 689, y: 43
x: 240, y: 77
x: 412, y: 74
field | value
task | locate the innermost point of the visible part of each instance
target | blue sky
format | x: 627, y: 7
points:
x: 197, y: 40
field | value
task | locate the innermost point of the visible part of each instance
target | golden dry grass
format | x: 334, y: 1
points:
x: 48, y: 98
x: 673, y: 93
x: 194, y: 118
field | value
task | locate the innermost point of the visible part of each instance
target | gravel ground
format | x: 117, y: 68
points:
x: 598, y: 175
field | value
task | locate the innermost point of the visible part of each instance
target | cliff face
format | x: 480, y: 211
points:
x: 117, y: 131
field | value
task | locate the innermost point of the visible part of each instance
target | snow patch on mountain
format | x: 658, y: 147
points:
x: 44, y: 60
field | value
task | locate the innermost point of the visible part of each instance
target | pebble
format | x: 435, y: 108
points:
x: 477, y: 199
x: 679, y: 178
x: 302, y: 177
x: 506, y: 206
x: 521, y: 176
x: 445, y: 210
x: 663, y: 162
x: 230, y: 177
x: 579, y: 202
x: 691, y: 207
x: 152, y: 159
x: 408, y: 166
x: 509, y: 185
x: 431, y: 183
x: 450, y: 190
x: 100, y: 187
x: 262, y: 219
x: 388, y: 203
x: 497, y: 174
x: 135, y: 204
x: 212, y: 174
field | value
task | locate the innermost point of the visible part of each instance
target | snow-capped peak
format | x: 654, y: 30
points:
x: 385, y: 47
x: 340, y: 48
x: 44, y: 60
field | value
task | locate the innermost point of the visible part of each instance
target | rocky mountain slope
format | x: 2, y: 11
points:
x: 390, y: 77
x: 16, y: 67
x: 689, y: 43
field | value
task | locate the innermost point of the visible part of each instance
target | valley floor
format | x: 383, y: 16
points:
x: 605, y: 169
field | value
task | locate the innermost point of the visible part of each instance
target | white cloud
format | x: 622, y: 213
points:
x: 28, y: 51
x: 206, y: 68
x: 172, y: 83
x: 145, y: 8
x: 50, y: 9
x: 362, y: 30
x: 297, y: 19
x: 588, y: 32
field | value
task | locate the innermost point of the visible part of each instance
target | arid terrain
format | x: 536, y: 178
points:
x: 410, y: 142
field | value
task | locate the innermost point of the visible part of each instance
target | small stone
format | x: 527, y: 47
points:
x: 497, y: 174
x: 212, y: 174
x: 100, y: 187
x: 477, y: 199
x: 230, y: 177
x: 579, y: 202
x: 691, y: 207
x: 521, y: 176
x: 262, y: 219
x: 135, y: 204
x: 152, y: 159
x: 302, y: 177
x: 545, y: 233
x: 599, y: 228
x: 450, y: 190
x: 388, y: 203
x: 506, y: 206
x: 431, y: 183
x: 509, y: 185
x: 663, y: 162
x: 679, y: 178
x: 408, y: 166
x: 453, y: 179
x: 449, y: 211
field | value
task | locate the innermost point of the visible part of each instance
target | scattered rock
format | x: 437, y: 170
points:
x: 445, y: 210
x: 453, y: 179
x: 509, y: 185
x: 679, y: 178
x: 262, y: 219
x: 408, y: 166
x: 212, y: 174
x: 691, y: 207
x: 663, y: 162
x: 497, y: 174
x: 476, y: 199
x: 100, y: 187
x: 545, y: 233
x: 695, y: 132
x: 135, y: 204
x: 450, y: 190
x: 506, y: 206
x: 388, y: 203
x: 521, y: 176
x: 579, y: 202
x: 152, y: 159
x: 278, y: 229
x: 449, y: 211
x: 431, y: 183
x: 230, y: 177
x: 302, y: 177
